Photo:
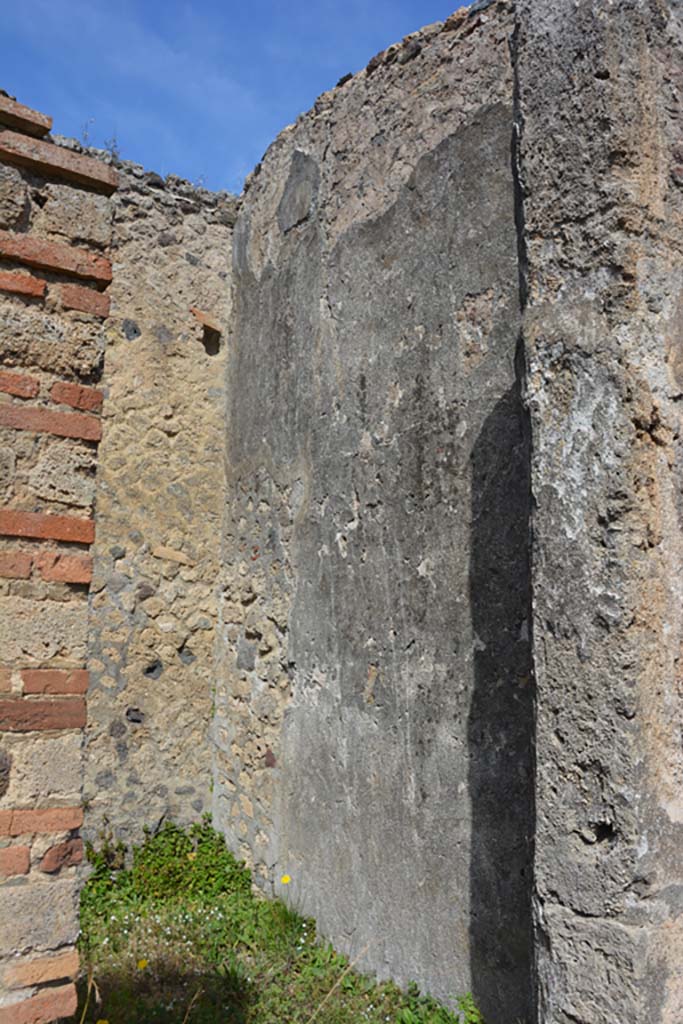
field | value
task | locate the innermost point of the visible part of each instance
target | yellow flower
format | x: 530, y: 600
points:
x: 285, y: 879
x: 100, y: 1021
x: 191, y: 856
x: 142, y: 964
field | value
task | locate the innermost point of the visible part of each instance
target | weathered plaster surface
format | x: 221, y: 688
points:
x: 374, y: 708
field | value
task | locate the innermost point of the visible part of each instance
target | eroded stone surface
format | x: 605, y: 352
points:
x: 600, y: 117
x: 160, y: 497
x: 38, y: 919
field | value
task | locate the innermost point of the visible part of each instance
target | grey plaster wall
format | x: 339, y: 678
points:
x: 599, y: 112
x: 449, y: 698
x: 374, y: 710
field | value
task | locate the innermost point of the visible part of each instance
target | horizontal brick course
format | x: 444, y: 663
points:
x: 63, y: 855
x: 19, y: 715
x: 44, y: 421
x: 24, y: 119
x: 45, y: 820
x: 55, y: 681
x: 77, y: 396
x: 46, y: 255
x: 14, y: 860
x: 15, y: 565
x: 22, y: 284
x: 85, y: 300
x: 47, y: 1006
x: 54, y: 162
x: 41, y: 969
x: 15, y: 523
x: 19, y: 385
x: 61, y: 567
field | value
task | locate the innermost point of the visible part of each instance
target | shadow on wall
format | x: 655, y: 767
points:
x: 501, y: 720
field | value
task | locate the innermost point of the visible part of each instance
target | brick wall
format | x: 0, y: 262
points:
x: 55, y: 272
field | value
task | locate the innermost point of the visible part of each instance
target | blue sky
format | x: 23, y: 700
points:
x: 195, y: 89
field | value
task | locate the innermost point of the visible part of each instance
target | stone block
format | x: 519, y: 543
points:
x: 65, y: 472
x: 37, y: 631
x: 75, y: 214
x: 14, y: 202
x: 39, y: 916
x: 41, y: 767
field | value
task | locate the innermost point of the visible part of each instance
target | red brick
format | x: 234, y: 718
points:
x: 55, y: 681
x: 22, y: 284
x: 14, y: 860
x: 21, y: 715
x: 61, y: 567
x: 19, y: 385
x: 85, y: 300
x: 206, y: 320
x: 52, y: 1004
x: 75, y: 395
x: 15, y: 565
x: 41, y: 969
x: 15, y: 523
x: 54, y: 162
x: 16, y: 115
x: 5, y: 680
x: 63, y: 855
x: 45, y: 421
x: 45, y: 255
x: 47, y: 819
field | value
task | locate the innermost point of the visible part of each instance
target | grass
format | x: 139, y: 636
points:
x: 180, y: 937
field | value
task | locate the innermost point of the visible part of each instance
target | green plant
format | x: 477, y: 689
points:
x: 467, y: 1007
x: 173, y: 932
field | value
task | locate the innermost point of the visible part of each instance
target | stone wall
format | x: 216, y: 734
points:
x: 388, y: 549
x: 374, y: 714
x: 600, y: 113
x: 55, y: 226
x: 160, y: 498
x: 152, y: 566
x: 490, y: 210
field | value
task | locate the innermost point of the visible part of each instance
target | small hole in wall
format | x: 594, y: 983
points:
x: 604, y: 831
x: 154, y: 669
x: 211, y: 340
